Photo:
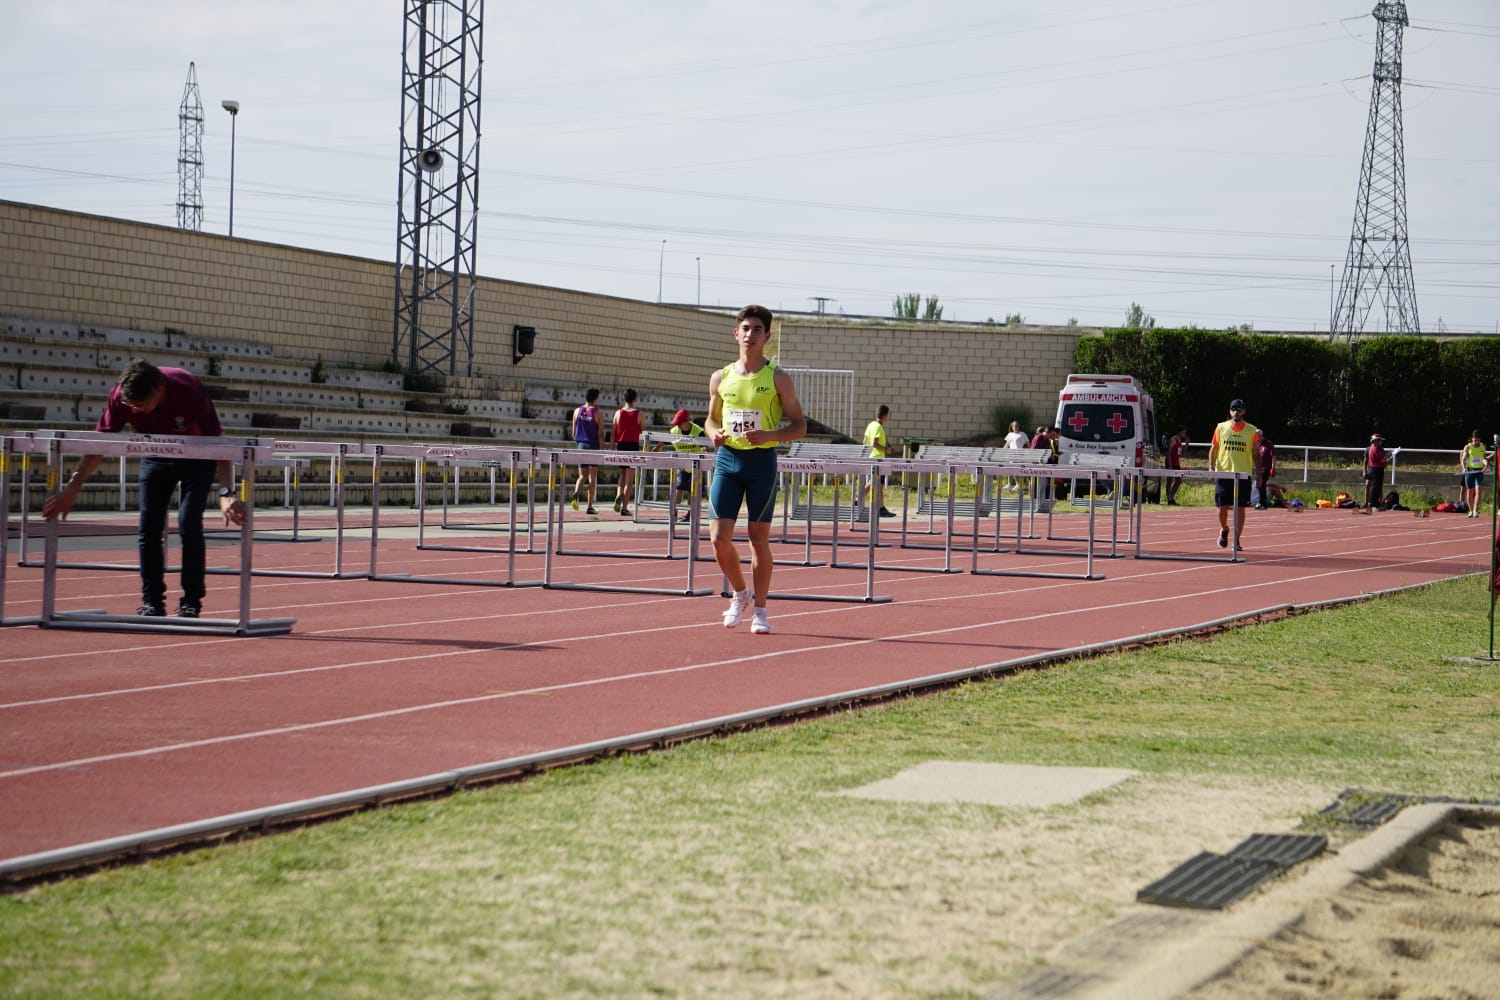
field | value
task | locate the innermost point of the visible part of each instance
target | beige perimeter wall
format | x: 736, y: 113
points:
x: 941, y: 380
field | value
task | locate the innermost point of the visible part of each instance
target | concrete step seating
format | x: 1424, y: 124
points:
x: 56, y: 375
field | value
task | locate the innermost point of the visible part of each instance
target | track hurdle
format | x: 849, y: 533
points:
x: 1196, y: 474
x: 247, y: 451
x: 1099, y: 467
x: 337, y: 454
x: 1024, y: 464
x: 513, y: 472
x: 512, y: 458
x: 279, y: 450
x: 810, y: 467
x: 964, y: 460
x: 880, y: 468
x: 421, y: 454
x: 656, y: 441
x: 8, y: 459
x: 1087, y: 553
x: 639, y: 460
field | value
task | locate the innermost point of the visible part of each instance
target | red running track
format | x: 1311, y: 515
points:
x: 106, y: 735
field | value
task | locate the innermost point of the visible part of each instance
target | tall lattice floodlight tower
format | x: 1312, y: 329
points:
x: 1378, y: 265
x: 190, y: 156
x: 437, y: 195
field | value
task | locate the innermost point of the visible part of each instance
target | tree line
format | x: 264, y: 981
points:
x: 1420, y: 392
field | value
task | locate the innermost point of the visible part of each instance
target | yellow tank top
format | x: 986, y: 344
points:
x: 1474, y: 457
x: 750, y: 402
x: 1234, y: 448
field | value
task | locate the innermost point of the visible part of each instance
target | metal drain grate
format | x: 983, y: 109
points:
x: 1286, y: 849
x: 1209, y: 881
x: 1365, y: 810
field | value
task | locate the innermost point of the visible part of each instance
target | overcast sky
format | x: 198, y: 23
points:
x: 1055, y: 160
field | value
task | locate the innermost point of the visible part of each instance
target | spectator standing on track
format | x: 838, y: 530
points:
x: 1232, y: 449
x: 1473, y: 460
x: 627, y: 433
x: 879, y: 446
x: 588, y: 428
x: 747, y: 401
x: 1265, y: 468
x: 1374, y: 474
x: 1176, y: 445
x: 683, y: 428
x: 1015, y: 438
x: 1059, y: 488
x: 156, y: 400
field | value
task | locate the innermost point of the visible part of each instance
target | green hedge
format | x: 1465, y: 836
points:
x: 1419, y: 392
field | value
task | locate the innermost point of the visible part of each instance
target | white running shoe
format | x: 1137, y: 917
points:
x: 738, y: 605
x: 759, y: 624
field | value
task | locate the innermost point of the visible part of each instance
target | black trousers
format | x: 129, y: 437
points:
x: 159, y: 477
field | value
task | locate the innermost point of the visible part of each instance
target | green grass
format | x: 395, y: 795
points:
x: 729, y: 867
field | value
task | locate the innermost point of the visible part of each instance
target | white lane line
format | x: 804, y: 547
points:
x: 620, y: 678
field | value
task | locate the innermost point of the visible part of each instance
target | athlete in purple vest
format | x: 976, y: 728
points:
x: 588, y: 427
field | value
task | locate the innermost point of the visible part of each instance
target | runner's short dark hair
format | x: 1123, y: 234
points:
x: 140, y: 380
x: 754, y: 312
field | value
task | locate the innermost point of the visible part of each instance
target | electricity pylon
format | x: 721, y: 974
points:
x: 190, y: 156
x: 437, y: 193
x: 1378, y: 265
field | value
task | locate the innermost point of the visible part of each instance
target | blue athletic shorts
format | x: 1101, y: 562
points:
x: 1473, y: 479
x: 743, y: 477
x: 1231, y: 492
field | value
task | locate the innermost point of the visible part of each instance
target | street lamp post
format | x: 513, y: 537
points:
x: 660, y: 269
x: 233, y: 107
x: 699, y: 262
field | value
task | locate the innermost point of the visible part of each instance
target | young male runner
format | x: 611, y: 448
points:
x: 747, y: 401
x: 587, y: 430
x: 1472, y: 461
x: 879, y: 445
x: 627, y: 434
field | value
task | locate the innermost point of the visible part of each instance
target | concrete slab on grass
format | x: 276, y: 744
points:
x: 1020, y: 785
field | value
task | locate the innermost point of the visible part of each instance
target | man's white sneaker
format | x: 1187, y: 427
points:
x: 759, y: 624
x: 738, y: 605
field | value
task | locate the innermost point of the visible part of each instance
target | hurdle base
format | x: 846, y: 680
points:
x: 605, y: 588
x: 453, y: 581
x: 101, y: 622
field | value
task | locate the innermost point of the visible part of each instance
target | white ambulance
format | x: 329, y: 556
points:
x: 1107, y: 415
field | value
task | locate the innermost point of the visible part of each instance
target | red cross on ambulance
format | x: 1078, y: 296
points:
x: 1117, y: 422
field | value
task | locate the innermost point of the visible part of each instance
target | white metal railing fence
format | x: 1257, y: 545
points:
x: 827, y: 396
x: 1445, y: 457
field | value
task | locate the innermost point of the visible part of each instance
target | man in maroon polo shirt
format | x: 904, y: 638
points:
x: 154, y: 400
